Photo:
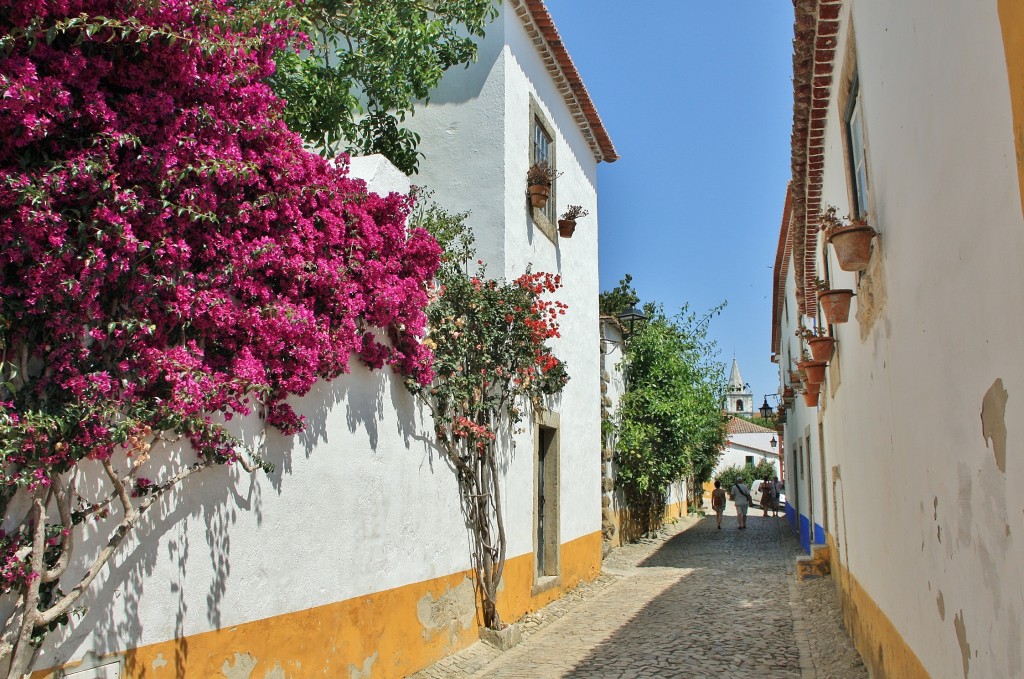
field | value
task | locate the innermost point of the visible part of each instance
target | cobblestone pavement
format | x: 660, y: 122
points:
x: 693, y: 602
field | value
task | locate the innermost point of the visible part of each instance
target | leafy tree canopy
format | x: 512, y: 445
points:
x: 670, y: 418
x: 620, y: 298
x: 365, y: 66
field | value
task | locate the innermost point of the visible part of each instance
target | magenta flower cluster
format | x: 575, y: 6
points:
x: 168, y: 249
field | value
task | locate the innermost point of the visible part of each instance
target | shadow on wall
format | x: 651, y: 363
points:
x: 217, y: 498
x: 213, y: 497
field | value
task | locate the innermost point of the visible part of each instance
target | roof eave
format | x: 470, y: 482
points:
x: 541, y: 28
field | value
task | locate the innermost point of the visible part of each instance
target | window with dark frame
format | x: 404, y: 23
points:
x: 542, y: 152
x: 854, y: 121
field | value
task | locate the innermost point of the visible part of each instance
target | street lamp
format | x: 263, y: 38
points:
x: 766, y: 412
x: 773, y: 443
x: 630, y: 315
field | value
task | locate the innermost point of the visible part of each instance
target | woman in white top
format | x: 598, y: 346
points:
x: 741, y: 497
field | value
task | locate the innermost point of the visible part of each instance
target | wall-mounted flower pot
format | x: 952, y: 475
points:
x: 566, y: 227
x: 821, y: 347
x: 539, y: 195
x: 836, y: 305
x: 811, y: 395
x: 787, y: 393
x: 853, y: 246
x: 814, y: 370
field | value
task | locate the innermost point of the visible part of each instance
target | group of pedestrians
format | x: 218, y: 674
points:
x: 771, y: 490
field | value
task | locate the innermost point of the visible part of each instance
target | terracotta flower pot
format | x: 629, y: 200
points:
x: 787, y: 393
x: 821, y: 347
x: 836, y: 305
x: 566, y: 227
x: 814, y: 370
x: 539, y: 195
x: 811, y: 396
x: 853, y: 246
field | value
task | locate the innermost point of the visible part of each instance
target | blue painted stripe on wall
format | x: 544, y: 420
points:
x: 805, y: 533
x: 819, y: 534
x: 791, y: 517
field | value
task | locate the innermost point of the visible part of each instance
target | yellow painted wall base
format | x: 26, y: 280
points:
x: 1011, y: 20
x: 879, y: 643
x: 378, y: 636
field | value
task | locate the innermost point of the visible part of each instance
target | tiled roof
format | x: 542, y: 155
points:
x: 782, y: 256
x: 814, y: 48
x: 737, y: 425
x: 541, y: 29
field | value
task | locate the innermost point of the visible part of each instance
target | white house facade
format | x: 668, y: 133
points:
x: 352, y: 559
x: 910, y: 115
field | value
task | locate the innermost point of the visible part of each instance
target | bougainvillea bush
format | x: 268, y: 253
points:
x: 493, y: 361
x: 170, y: 256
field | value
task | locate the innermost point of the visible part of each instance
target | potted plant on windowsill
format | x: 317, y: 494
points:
x: 812, y: 371
x: 850, y: 238
x: 538, y: 179
x: 821, y: 345
x: 834, y: 303
x: 811, y: 394
x: 567, y: 222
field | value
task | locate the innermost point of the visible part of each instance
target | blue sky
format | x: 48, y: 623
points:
x: 698, y: 100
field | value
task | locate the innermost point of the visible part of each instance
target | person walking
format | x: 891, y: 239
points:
x: 718, y: 502
x: 776, y: 496
x: 741, y: 498
x: 767, y: 497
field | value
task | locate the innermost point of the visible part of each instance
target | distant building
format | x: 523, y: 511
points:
x: 748, y: 444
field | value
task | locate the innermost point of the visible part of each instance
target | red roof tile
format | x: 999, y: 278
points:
x: 537, y: 20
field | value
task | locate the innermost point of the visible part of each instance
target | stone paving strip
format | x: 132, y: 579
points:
x: 692, y: 602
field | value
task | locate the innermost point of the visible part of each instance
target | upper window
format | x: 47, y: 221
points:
x: 739, y: 406
x: 857, y: 149
x: 543, y: 149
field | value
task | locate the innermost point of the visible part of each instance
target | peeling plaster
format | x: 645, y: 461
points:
x: 242, y: 669
x: 940, y: 601
x: 452, y: 611
x: 965, y: 520
x: 159, y: 661
x: 276, y: 673
x: 993, y: 424
x: 364, y: 673
x: 871, y: 295
x: 961, y: 637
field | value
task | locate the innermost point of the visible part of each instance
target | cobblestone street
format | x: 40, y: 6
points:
x: 693, y: 602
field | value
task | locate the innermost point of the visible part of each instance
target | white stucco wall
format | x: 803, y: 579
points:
x: 927, y: 515
x: 476, y: 137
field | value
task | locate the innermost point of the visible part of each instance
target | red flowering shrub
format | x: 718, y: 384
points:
x: 492, y: 359
x: 168, y: 252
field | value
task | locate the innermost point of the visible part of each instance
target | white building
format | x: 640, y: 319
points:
x: 911, y: 115
x: 353, y: 558
x: 747, y: 445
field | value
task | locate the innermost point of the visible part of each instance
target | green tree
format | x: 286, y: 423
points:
x: 620, y: 298
x: 670, y: 421
x: 367, y: 65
